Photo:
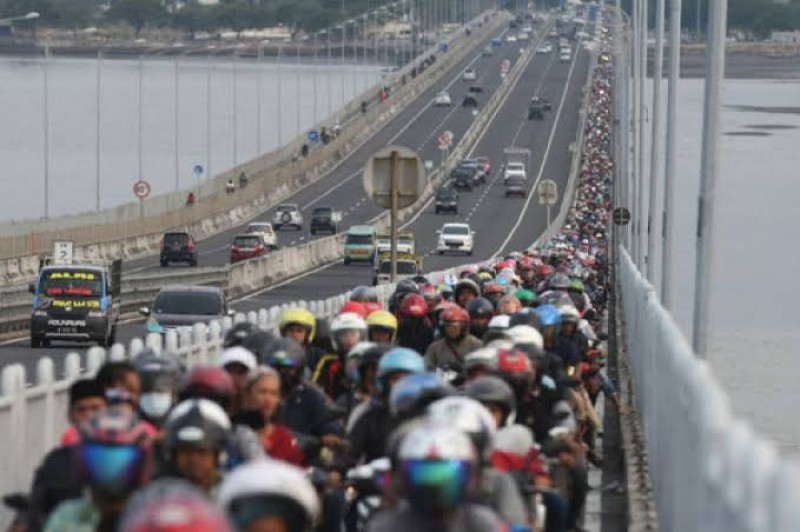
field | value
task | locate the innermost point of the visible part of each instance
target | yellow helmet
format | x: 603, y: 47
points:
x: 383, y: 319
x: 299, y: 316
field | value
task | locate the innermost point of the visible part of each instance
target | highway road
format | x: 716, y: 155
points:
x: 501, y: 224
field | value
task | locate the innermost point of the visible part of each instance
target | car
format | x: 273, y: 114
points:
x: 527, y: 28
x: 476, y: 169
x: 487, y: 51
x: 178, y: 246
x: 408, y: 265
x: 469, y: 75
x: 360, y: 244
x: 265, y: 231
x: 288, y: 215
x: 475, y: 89
x: 523, y: 36
x: 455, y: 237
x: 537, y: 107
x: 443, y: 99
x: 511, y: 38
x: 469, y: 101
x: 462, y: 179
x: 325, y: 219
x: 446, y: 200
x: 544, y: 49
x: 516, y: 186
x: 487, y: 164
x: 183, y: 305
x: 247, y: 246
x: 565, y: 56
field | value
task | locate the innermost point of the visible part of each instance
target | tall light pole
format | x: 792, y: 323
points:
x: 259, y: 65
x: 208, y: 120
x: 344, y: 39
x: 177, y: 123
x: 329, y: 73
x: 715, y: 72
x: 668, y: 227
x: 97, y: 130
x: 46, y: 131
x: 642, y: 136
x: 297, y: 88
x: 655, y: 144
x: 637, y: 109
x: 314, y: 73
x: 140, y: 127
x: 279, y: 110
x: 235, y: 106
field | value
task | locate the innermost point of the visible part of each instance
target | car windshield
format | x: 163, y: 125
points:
x: 359, y: 240
x: 287, y: 208
x: 71, y: 283
x: 325, y: 211
x: 175, y: 239
x: 198, y: 303
x: 246, y: 241
x: 259, y: 228
x: 455, y: 230
x: 404, y: 267
x: 516, y: 166
x: 445, y: 193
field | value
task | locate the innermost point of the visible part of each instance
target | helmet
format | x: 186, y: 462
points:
x: 406, y: 286
x: 559, y: 281
x: 413, y: 306
x: 525, y: 316
x: 515, y: 367
x: 285, y: 353
x: 372, y: 306
x: 364, y: 294
x: 237, y: 333
x: 197, y: 423
x: 468, y: 416
x: 494, y: 288
x: 172, y: 505
x: 515, y: 439
x: 436, y: 464
x: 492, y: 390
x: 298, y: 316
x: 428, y: 291
x: 398, y: 359
x: 348, y: 321
x: 526, y: 297
x: 454, y: 313
x: 353, y: 307
x: 256, y: 342
x: 545, y: 270
x: 576, y: 285
x: 525, y: 335
x: 159, y: 376
x: 548, y: 315
x: 208, y: 382
x: 480, y: 307
x: 467, y: 270
x: 554, y: 298
x: 115, y: 451
x: 500, y: 322
x: 467, y: 284
x: 569, y: 314
x: 413, y: 393
x: 354, y: 356
x: 485, y: 276
x: 483, y: 358
x: 382, y: 319
x: 266, y: 488
x: 367, y: 357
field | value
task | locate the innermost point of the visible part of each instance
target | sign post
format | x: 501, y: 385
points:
x: 62, y: 251
x: 548, y: 195
x: 141, y: 189
x: 445, y: 142
x: 198, y: 171
x: 394, y: 178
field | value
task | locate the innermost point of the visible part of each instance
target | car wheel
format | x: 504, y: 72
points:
x: 164, y: 263
x: 193, y: 263
x: 35, y: 342
x: 440, y: 252
x: 346, y: 261
x: 469, y: 253
x: 277, y: 227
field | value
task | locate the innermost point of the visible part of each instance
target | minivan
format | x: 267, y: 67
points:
x: 359, y: 244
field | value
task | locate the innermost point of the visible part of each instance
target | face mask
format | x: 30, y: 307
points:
x: 155, y: 405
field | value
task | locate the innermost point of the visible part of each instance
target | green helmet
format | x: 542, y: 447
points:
x: 526, y: 297
x: 576, y: 285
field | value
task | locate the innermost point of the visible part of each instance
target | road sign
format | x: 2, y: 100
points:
x: 313, y: 135
x: 548, y: 192
x: 505, y: 66
x: 411, y: 178
x: 198, y: 169
x: 141, y: 189
x: 449, y: 136
x: 444, y: 141
x: 62, y: 251
x: 622, y: 216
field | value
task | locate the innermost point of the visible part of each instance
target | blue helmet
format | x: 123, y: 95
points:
x: 413, y: 393
x: 548, y: 315
x: 399, y: 359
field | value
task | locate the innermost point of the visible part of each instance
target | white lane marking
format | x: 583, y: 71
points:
x: 543, y: 164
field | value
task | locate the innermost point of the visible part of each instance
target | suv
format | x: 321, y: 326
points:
x: 455, y: 237
x: 325, y: 219
x: 461, y: 178
x: 477, y: 168
x: 183, y: 306
x: 516, y: 185
x: 265, y: 231
x: 178, y: 246
x: 287, y: 215
x: 447, y: 200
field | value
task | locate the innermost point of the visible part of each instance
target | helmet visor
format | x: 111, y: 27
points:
x: 111, y: 467
x: 436, y: 484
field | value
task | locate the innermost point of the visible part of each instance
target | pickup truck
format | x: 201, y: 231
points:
x: 516, y: 163
x: 408, y: 265
x: 405, y: 243
x: 325, y: 219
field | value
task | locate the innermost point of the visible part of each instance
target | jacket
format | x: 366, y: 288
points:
x: 445, y: 353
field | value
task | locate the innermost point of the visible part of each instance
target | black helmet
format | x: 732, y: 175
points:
x: 525, y: 316
x: 480, y: 307
x: 491, y: 390
x: 158, y: 372
x: 559, y: 281
x: 199, y: 423
x: 283, y: 353
x: 237, y: 334
x: 364, y: 294
x: 406, y: 286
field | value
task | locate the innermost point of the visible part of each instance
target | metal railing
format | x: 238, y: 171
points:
x: 711, y: 471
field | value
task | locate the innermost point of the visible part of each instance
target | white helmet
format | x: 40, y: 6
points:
x: 268, y: 479
x: 482, y: 357
x: 469, y: 416
x: 525, y: 335
x: 427, y: 440
x: 515, y: 439
x: 347, y: 321
x: 499, y: 322
x: 358, y: 350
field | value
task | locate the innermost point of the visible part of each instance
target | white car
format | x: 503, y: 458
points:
x: 565, y: 56
x: 523, y: 36
x: 469, y: 75
x: 544, y: 49
x: 455, y: 237
x: 443, y: 99
x: 511, y: 38
x: 287, y: 215
x: 265, y: 231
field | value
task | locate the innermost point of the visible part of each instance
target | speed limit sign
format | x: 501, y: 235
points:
x: 141, y: 189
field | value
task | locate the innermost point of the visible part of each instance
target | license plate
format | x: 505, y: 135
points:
x: 67, y: 330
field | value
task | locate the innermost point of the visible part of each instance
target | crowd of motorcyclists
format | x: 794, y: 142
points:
x: 461, y: 403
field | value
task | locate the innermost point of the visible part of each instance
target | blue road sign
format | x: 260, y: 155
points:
x: 313, y: 135
x: 198, y: 169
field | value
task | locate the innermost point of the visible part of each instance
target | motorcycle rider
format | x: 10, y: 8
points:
x: 480, y: 311
x: 381, y: 327
x: 415, y: 330
x: 329, y: 373
x: 456, y: 342
x: 300, y: 325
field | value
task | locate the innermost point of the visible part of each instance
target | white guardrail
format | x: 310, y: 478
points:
x: 711, y: 471
x: 46, y: 401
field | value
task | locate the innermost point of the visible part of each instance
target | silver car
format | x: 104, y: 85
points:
x: 183, y: 305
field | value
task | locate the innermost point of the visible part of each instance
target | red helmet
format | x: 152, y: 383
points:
x: 355, y: 307
x: 372, y: 306
x: 413, y: 306
x: 208, y: 382
x: 494, y: 288
x: 444, y: 305
x: 454, y: 313
x: 171, y: 505
x: 467, y: 270
x: 545, y: 270
x: 513, y: 363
